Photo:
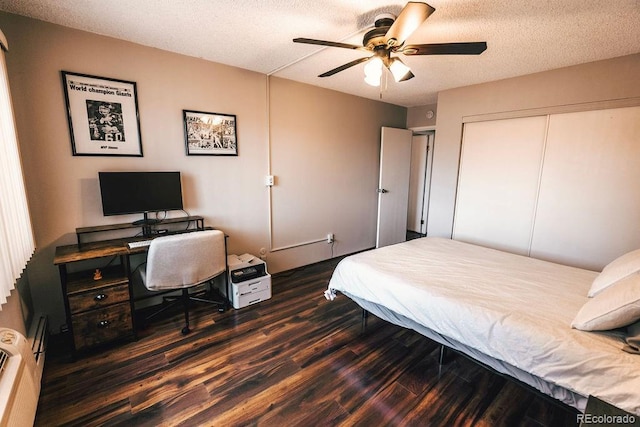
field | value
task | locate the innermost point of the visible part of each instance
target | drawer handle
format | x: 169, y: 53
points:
x: 103, y: 324
x: 100, y: 297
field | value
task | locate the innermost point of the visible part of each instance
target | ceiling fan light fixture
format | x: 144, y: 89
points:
x: 373, y: 71
x: 399, y: 70
x: 388, y: 37
x: 373, y: 80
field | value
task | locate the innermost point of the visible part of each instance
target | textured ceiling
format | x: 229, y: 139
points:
x: 523, y: 36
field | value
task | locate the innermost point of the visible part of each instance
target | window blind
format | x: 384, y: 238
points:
x: 16, y: 235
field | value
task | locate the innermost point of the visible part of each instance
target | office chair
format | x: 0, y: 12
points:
x: 183, y: 261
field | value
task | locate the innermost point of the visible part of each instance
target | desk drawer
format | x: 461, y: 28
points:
x: 98, y: 298
x: 102, y: 325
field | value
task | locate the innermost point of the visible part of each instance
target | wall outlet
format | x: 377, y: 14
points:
x: 330, y: 238
x: 269, y: 180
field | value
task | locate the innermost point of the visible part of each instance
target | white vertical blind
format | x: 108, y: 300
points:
x: 16, y: 235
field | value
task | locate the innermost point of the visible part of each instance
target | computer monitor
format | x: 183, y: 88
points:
x: 140, y: 192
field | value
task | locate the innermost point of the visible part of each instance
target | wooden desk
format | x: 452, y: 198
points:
x: 86, y: 231
x: 99, y: 307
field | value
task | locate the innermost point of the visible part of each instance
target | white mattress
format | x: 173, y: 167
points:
x: 514, y: 309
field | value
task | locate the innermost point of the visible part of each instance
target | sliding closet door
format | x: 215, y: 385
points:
x: 589, y: 202
x: 498, y: 182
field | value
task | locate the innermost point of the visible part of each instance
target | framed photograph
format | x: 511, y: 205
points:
x: 210, y: 134
x: 103, y: 115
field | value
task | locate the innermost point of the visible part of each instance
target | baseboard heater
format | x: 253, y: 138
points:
x: 21, y: 367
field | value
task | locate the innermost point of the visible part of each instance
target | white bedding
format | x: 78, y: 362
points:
x: 512, y: 308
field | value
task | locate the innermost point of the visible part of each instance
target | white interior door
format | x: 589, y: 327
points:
x: 589, y: 205
x: 498, y: 182
x: 420, y: 182
x: 561, y: 187
x: 416, y: 182
x: 393, y: 186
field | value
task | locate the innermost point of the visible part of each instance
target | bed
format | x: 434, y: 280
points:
x: 516, y: 314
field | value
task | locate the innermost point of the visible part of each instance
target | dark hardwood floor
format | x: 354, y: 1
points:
x: 295, y: 359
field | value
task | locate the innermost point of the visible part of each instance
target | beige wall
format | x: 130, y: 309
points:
x: 312, y: 138
x: 614, y: 79
x: 326, y: 169
x: 421, y: 116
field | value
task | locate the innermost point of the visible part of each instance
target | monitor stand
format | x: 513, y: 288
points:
x: 146, y: 224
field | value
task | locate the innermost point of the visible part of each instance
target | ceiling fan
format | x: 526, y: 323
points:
x: 388, y: 36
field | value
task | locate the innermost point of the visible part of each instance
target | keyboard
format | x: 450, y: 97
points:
x: 139, y: 244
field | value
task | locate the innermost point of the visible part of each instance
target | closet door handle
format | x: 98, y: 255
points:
x: 382, y: 190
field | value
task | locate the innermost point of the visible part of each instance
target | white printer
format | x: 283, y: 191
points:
x: 249, y: 279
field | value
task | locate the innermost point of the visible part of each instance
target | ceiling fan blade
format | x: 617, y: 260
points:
x: 410, y: 18
x: 330, y: 44
x: 469, y: 48
x: 344, y: 67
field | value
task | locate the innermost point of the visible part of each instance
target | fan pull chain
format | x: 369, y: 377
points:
x: 384, y: 83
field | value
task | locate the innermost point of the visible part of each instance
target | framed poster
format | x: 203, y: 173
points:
x: 210, y: 134
x: 103, y: 115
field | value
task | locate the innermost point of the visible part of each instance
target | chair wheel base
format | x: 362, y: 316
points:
x: 185, y: 330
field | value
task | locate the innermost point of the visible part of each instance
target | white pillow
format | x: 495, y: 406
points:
x: 617, y: 269
x: 616, y: 306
